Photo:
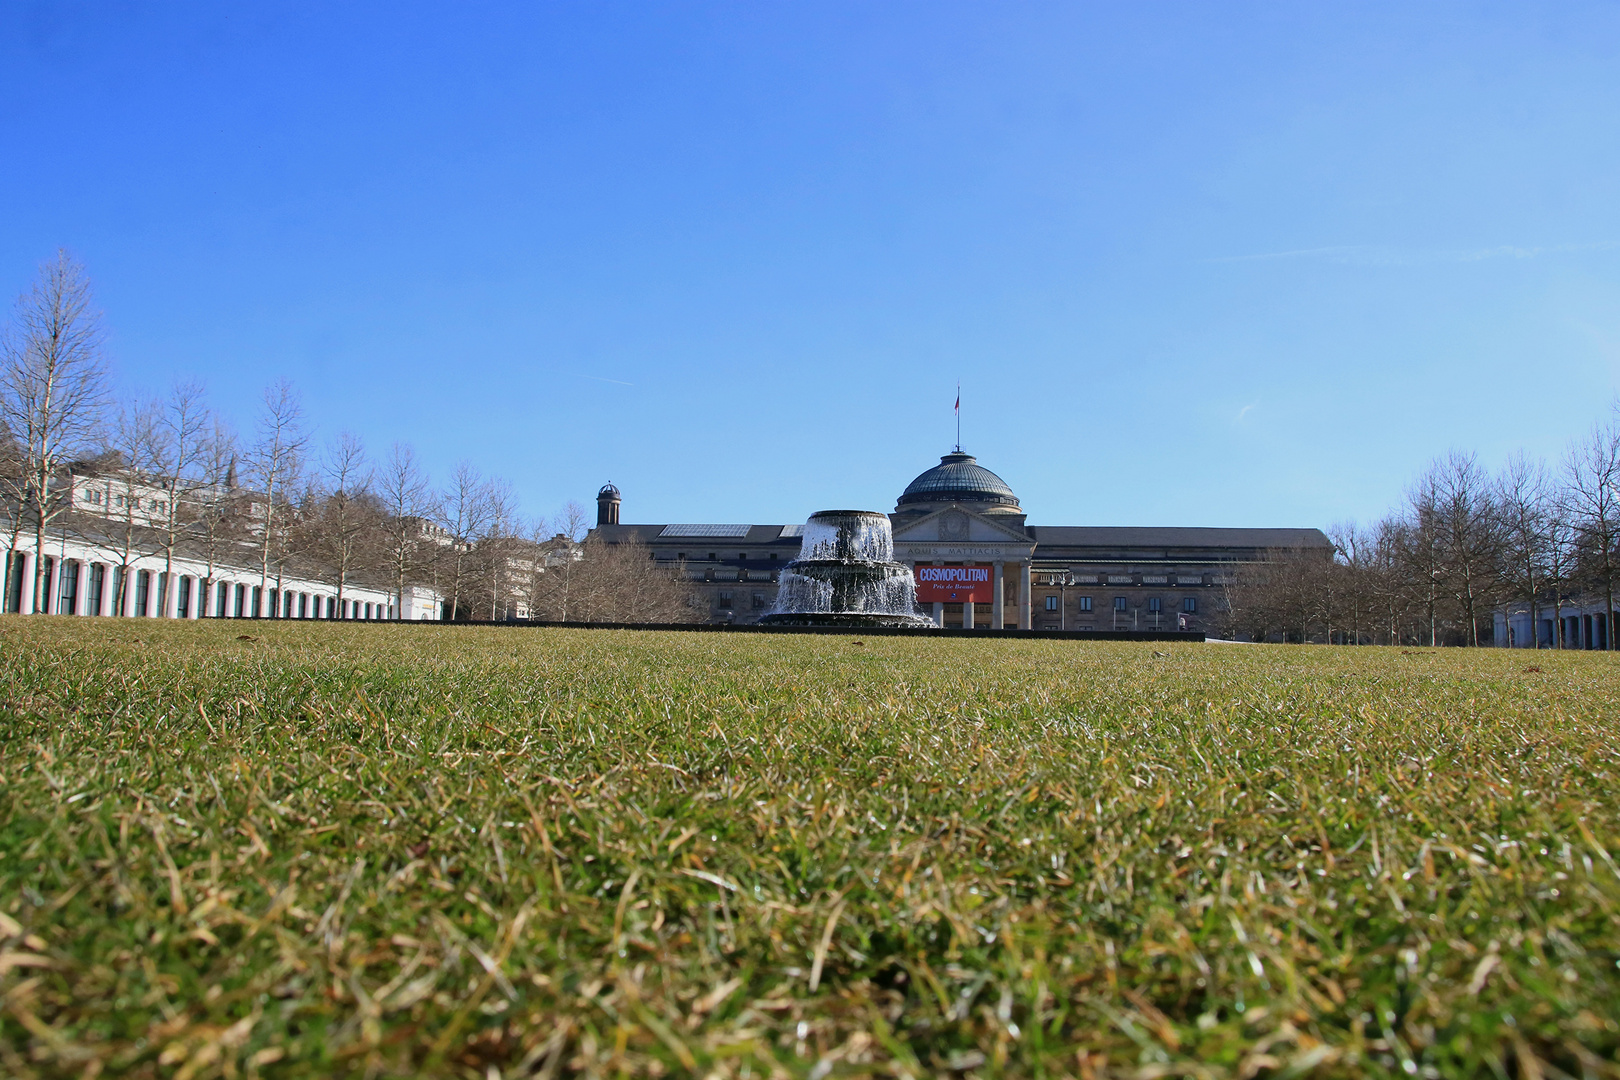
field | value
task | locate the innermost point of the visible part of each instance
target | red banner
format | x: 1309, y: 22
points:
x: 974, y: 583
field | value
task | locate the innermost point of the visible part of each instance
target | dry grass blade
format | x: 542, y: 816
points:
x: 363, y: 850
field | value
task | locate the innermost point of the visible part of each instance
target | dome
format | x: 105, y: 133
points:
x: 608, y: 492
x: 959, y: 478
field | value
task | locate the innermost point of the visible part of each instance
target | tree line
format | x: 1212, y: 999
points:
x: 1464, y: 544
x: 168, y: 478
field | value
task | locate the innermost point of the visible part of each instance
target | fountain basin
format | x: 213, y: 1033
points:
x: 846, y: 575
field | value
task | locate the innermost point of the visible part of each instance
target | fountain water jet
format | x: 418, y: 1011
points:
x: 846, y: 575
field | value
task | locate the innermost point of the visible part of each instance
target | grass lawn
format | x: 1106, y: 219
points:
x: 395, y: 850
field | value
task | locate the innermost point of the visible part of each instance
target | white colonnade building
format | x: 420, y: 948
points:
x: 105, y: 555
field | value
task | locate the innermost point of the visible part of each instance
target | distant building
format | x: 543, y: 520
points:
x: 1584, y: 625
x: 102, y: 556
x: 979, y: 563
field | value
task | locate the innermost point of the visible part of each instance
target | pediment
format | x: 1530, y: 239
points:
x: 959, y: 525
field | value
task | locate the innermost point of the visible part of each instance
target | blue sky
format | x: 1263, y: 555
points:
x: 1201, y: 264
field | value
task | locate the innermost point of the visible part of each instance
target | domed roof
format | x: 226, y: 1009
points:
x: 608, y: 491
x: 959, y: 478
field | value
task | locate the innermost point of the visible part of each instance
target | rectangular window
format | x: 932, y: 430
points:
x: 258, y: 600
x: 725, y: 600
x: 143, y: 591
x: 1119, y: 603
x: 1155, y: 605
x: 45, y: 590
x: 1051, y: 603
x: 182, y: 607
x: 759, y: 601
x: 1085, y: 603
x: 1189, y: 603
x: 241, y: 601
x: 303, y: 605
x: 67, y: 601
x: 97, y: 583
x: 368, y: 612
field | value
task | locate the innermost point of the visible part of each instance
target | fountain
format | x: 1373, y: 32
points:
x: 846, y: 575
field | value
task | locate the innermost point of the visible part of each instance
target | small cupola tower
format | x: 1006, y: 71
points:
x: 607, y: 505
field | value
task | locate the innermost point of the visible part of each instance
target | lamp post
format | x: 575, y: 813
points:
x: 1062, y: 581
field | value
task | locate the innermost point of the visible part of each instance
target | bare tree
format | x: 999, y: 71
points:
x: 1356, y: 551
x: 500, y: 546
x: 53, y: 388
x: 1470, y: 535
x: 622, y: 582
x: 181, y: 432
x: 1525, y: 496
x: 13, y: 488
x: 125, y: 490
x: 342, y: 513
x: 216, y: 502
x: 1563, y: 552
x: 1593, y: 489
x: 1422, y: 551
x: 1390, y: 585
x: 552, y: 585
x: 275, y: 462
x: 406, y: 500
x: 463, y: 512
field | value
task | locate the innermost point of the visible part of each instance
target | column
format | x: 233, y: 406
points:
x: 27, y: 605
x: 1024, y: 621
x: 967, y: 614
x: 939, y: 605
x: 998, y: 602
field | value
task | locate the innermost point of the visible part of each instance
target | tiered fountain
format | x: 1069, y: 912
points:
x: 846, y: 575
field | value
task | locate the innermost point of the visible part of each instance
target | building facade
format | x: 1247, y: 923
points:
x: 105, y: 555
x: 979, y: 563
x: 1579, y: 622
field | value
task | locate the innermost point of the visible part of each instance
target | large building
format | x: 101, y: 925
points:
x: 108, y: 553
x: 978, y: 562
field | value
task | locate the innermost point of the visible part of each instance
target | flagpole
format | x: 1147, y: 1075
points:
x: 958, y: 417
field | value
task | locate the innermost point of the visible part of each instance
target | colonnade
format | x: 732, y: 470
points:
x: 84, y: 587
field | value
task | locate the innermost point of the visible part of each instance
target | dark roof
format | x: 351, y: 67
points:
x: 1134, y: 536
x: 647, y: 534
x: 959, y: 478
